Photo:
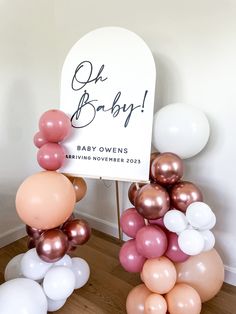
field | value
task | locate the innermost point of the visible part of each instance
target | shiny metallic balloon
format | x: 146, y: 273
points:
x: 152, y: 201
x: 183, y: 194
x: 167, y: 169
x: 133, y: 189
x: 31, y: 243
x: 152, y: 157
x: 33, y: 232
x: 52, y: 245
x: 78, y: 231
x: 80, y: 187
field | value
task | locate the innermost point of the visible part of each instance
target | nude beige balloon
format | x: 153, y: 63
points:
x: 183, y: 299
x: 136, y: 299
x: 155, y: 304
x: 45, y: 200
x: 159, y: 275
x: 203, y: 272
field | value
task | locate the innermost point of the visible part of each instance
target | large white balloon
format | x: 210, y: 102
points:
x: 199, y: 215
x: 191, y: 242
x: 64, y: 261
x: 180, y: 129
x: 209, y: 240
x: 22, y: 296
x: 175, y: 221
x: 81, y: 271
x: 33, y: 267
x: 13, y: 268
x: 55, y: 305
x: 59, y: 283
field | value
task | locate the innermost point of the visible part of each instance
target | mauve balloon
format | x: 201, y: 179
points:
x: 78, y: 231
x: 54, y: 125
x: 51, y: 156
x: 131, y: 222
x: 152, y: 201
x: 52, y: 245
x: 39, y: 139
x: 158, y: 222
x: 132, y: 192
x: 183, y: 194
x: 130, y: 259
x: 151, y: 241
x: 173, y: 251
x: 31, y: 243
x: 167, y: 169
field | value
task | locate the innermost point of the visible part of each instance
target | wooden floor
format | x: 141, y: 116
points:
x: 109, y: 284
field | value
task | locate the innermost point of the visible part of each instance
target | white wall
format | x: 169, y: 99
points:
x: 194, y: 47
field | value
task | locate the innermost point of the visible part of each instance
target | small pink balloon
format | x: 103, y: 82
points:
x: 51, y: 156
x: 130, y: 259
x: 131, y: 222
x: 173, y: 251
x: 158, y: 222
x: 151, y: 241
x: 55, y: 125
x: 39, y: 139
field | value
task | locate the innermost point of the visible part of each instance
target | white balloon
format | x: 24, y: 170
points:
x: 64, y: 261
x: 191, y: 242
x: 180, y: 129
x: 22, y: 296
x: 209, y: 240
x: 211, y: 224
x: 55, y: 305
x: 33, y: 267
x: 81, y: 271
x: 175, y: 221
x: 13, y: 268
x: 59, y: 283
x: 199, y: 215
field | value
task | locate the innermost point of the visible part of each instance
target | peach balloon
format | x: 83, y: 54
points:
x: 159, y: 275
x: 45, y: 200
x: 80, y: 188
x: 204, y: 272
x: 136, y: 299
x: 183, y: 299
x: 155, y: 304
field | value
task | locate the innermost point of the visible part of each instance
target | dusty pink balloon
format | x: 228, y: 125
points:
x: 54, y: 125
x: 51, y: 156
x: 151, y: 241
x: 39, y: 139
x: 173, y: 251
x: 131, y: 222
x: 130, y: 259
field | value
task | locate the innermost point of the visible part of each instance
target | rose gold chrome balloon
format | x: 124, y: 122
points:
x: 167, y: 169
x: 133, y: 190
x: 78, y: 231
x: 183, y: 194
x: 152, y: 201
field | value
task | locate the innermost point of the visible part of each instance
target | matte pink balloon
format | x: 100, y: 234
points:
x: 131, y: 222
x: 55, y: 125
x: 158, y: 222
x: 151, y: 241
x: 39, y: 139
x: 130, y: 259
x: 173, y: 251
x: 51, y: 156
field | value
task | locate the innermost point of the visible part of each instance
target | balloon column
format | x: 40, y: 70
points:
x: 172, y: 246
x: 44, y: 277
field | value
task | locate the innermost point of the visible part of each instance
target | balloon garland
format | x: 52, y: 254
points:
x: 45, y: 276
x: 172, y: 246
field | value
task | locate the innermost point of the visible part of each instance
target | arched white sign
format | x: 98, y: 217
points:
x: 107, y: 88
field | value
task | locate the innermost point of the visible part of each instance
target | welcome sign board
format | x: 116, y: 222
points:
x: 107, y: 89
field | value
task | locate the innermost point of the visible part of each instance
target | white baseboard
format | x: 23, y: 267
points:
x: 230, y: 275
x: 100, y: 224
x: 12, y: 235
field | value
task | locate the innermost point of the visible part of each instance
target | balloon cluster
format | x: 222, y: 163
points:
x: 45, y: 203
x: 171, y: 245
x: 37, y: 286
